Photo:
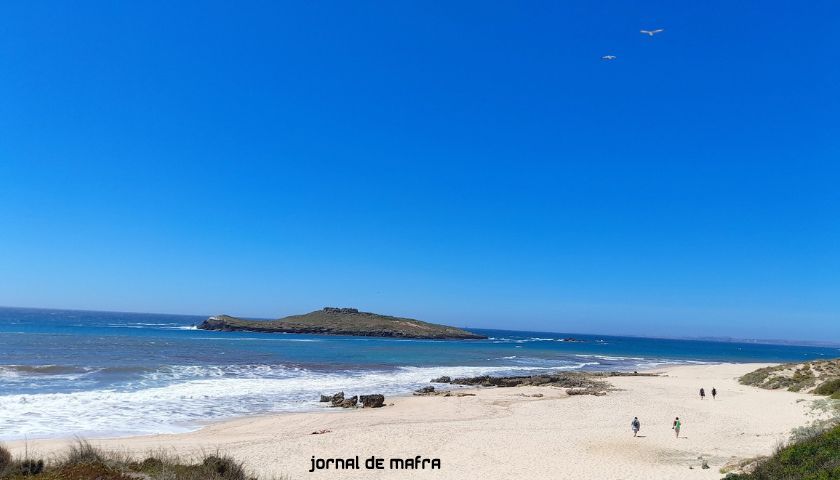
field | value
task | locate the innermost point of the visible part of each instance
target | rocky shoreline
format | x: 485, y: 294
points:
x: 376, y: 400
x: 575, y: 383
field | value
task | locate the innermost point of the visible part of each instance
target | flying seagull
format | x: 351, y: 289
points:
x: 608, y: 57
x: 652, y: 32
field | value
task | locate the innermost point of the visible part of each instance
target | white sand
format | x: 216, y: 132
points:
x: 500, y: 434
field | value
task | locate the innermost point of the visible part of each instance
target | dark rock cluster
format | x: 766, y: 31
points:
x: 582, y: 383
x: 339, y: 400
x: 372, y: 401
x: 425, y: 390
x: 585, y: 391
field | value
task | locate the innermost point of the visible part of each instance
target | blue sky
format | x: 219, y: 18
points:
x: 474, y: 163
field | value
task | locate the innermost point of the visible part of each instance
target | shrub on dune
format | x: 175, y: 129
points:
x: 225, y: 467
x: 815, y: 458
x: 830, y: 388
x: 83, y: 461
x: 82, y: 452
x: 5, y: 458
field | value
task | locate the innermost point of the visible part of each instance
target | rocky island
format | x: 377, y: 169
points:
x: 341, y: 321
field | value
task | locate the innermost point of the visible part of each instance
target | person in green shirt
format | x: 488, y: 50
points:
x: 676, y: 427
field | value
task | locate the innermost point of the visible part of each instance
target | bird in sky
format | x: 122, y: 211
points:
x: 652, y: 32
x: 608, y: 57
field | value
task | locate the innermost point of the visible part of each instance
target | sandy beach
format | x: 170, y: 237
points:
x: 504, y: 433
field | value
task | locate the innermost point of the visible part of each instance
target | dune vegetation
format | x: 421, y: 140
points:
x: 821, y: 377
x: 813, y: 458
x: 82, y: 461
x: 813, y: 452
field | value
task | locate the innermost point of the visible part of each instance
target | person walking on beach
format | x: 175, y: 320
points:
x: 676, y: 427
x: 635, y: 425
x: 714, y: 393
x: 702, y: 394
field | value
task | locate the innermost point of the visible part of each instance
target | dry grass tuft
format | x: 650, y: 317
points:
x: 83, y: 461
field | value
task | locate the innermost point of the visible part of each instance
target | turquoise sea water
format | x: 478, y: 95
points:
x: 65, y: 373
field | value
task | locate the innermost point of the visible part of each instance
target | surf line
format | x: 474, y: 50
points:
x: 374, y: 463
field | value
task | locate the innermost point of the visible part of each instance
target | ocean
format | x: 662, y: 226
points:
x: 97, y: 374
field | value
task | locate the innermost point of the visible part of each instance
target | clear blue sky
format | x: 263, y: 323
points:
x: 465, y: 162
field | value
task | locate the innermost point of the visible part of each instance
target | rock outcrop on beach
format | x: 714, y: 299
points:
x: 586, y: 391
x: 431, y: 392
x: 341, y: 321
x: 338, y: 400
x: 372, y: 401
x: 368, y: 401
x: 577, y: 383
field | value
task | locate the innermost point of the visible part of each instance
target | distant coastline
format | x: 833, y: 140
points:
x: 768, y: 341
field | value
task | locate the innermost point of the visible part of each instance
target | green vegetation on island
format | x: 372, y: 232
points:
x: 341, y: 321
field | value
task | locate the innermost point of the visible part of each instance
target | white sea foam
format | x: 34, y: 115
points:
x: 29, y: 373
x: 610, y: 357
x: 142, y: 324
x: 201, y: 393
x: 525, y: 340
x: 267, y: 338
x: 642, y: 363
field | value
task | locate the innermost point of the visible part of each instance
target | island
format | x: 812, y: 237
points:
x: 342, y: 321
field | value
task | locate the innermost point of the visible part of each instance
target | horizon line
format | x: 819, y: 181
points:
x: 712, y: 339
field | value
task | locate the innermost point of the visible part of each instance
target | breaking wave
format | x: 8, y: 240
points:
x: 178, y: 399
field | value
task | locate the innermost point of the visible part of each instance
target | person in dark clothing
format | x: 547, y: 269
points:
x: 714, y: 393
x: 635, y: 425
x: 702, y: 394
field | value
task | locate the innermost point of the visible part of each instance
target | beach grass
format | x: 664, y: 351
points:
x: 814, y: 458
x: 83, y: 461
x: 821, y: 377
x: 830, y: 388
